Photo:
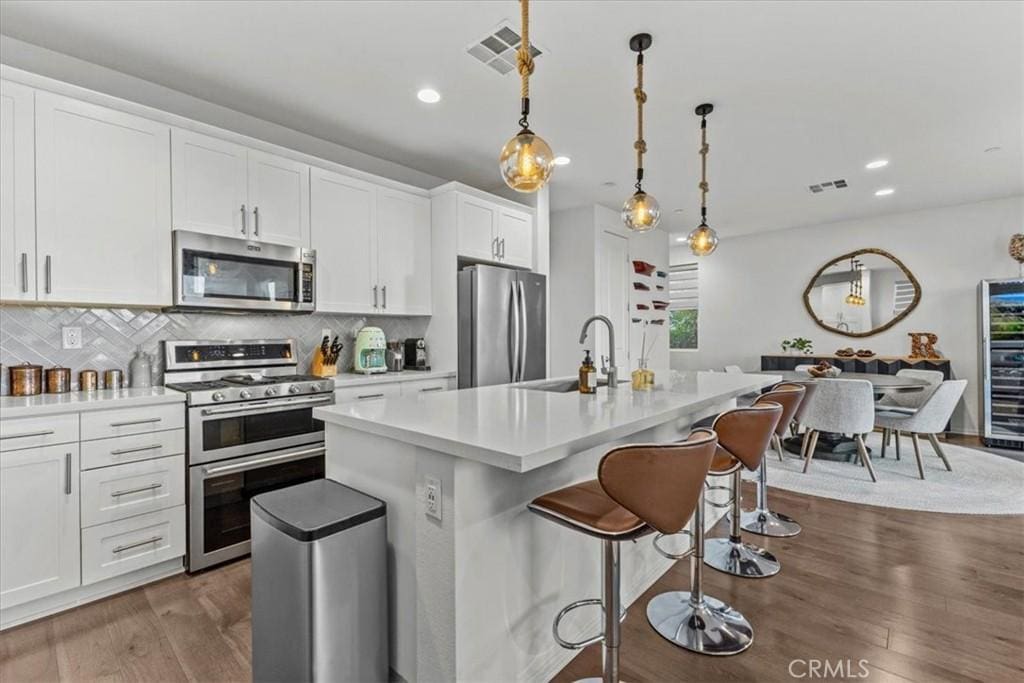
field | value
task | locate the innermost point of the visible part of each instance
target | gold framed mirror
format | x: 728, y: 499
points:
x: 861, y: 293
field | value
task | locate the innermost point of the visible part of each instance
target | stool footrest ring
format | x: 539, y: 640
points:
x: 674, y: 556
x: 579, y: 644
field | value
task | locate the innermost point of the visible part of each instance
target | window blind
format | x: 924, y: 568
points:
x: 683, y: 287
x: 903, y: 296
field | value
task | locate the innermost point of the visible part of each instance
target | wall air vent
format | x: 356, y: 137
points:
x: 827, y: 185
x: 497, y: 49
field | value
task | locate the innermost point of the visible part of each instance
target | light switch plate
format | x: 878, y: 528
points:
x: 71, y: 337
x: 432, y: 497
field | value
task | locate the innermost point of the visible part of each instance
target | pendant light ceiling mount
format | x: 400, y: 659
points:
x: 641, y: 211
x: 703, y: 240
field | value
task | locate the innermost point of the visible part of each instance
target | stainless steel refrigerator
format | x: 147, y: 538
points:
x: 502, y: 326
x: 1002, y: 362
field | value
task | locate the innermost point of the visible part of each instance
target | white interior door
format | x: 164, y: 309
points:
x: 39, y: 523
x: 477, y: 228
x: 17, y: 192
x: 279, y: 194
x: 612, y: 284
x: 515, y: 229
x: 103, y: 205
x: 343, y: 228
x: 208, y: 184
x: 403, y: 252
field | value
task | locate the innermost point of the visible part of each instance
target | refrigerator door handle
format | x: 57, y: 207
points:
x: 514, y: 356
x: 526, y: 330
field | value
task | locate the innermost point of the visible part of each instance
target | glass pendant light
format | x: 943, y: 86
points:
x: 526, y: 161
x: 851, y: 298
x: 641, y: 211
x: 702, y: 239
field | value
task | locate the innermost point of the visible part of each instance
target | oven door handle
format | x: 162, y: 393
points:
x: 262, y: 405
x: 259, y: 462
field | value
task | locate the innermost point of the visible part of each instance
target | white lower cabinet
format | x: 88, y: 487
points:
x: 129, y: 544
x: 39, y: 522
x: 113, y: 493
x: 367, y: 392
x: 426, y: 386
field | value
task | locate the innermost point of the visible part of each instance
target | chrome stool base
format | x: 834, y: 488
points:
x: 768, y: 523
x: 740, y: 559
x: 710, y: 627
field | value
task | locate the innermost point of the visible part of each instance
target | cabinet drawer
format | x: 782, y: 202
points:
x: 30, y: 432
x: 124, y: 546
x: 112, y: 493
x: 106, y: 423
x: 367, y: 392
x: 121, y: 449
x: 425, y: 386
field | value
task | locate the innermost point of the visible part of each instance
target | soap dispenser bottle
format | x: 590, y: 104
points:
x: 588, y: 375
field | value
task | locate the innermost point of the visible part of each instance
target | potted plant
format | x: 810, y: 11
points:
x: 798, y: 345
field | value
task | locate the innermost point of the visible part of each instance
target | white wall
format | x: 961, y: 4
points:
x: 751, y: 288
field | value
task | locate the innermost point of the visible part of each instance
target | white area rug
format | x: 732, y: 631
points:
x: 980, y: 483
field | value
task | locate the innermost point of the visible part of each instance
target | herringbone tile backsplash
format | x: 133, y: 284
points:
x: 110, y: 335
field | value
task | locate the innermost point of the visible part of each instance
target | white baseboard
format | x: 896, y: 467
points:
x: 51, y: 604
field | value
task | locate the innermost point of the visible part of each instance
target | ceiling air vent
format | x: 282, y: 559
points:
x: 827, y: 185
x: 498, y: 48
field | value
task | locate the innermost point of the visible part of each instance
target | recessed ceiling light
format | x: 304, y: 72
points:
x: 884, y: 192
x: 677, y: 210
x: 428, y: 95
x: 992, y: 149
x: 562, y: 161
x: 608, y: 183
x: 877, y: 163
x: 680, y: 239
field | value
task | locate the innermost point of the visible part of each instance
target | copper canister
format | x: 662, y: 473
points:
x: 88, y: 380
x: 58, y: 380
x: 26, y: 379
x: 112, y: 379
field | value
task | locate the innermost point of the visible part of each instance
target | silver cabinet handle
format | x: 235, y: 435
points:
x: 148, y: 420
x: 494, y: 247
x: 253, y: 464
x: 256, y: 219
x: 45, y: 432
x: 151, y: 487
x: 245, y: 227
x: 49, y: 278
x: 138, y: 544
x: 370, y: 396
x: 67, y: 474
x: 426, y: 389
x: 502, y: 248
x: 375, y: 296
x: 24, y: 272
x: 384, y: 295
x: 122, y: 451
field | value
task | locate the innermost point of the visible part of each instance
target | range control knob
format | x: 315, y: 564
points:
x: 315, y: 387
x: 245, y: 393
x: 271, y: 391
x: 217, y: 396
x: 294, y: 389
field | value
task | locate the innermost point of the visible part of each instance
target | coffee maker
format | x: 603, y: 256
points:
x: 369, y: 351
x: 416, y: 354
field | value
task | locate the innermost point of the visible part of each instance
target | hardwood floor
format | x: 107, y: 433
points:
x: 919, y: 596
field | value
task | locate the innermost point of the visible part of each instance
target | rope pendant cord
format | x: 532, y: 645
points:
x: 641, y: 97
x: 703, y: 170
x: 524, y: 62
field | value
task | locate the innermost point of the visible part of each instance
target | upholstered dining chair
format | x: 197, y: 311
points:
x: 912, y: 399
x: 843, y: 406
x: 929, y: 419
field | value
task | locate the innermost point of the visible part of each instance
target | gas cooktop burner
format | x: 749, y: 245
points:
x: 250, y: 380
x: 197, y: 386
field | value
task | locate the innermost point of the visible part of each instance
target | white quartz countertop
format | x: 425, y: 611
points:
x: 81, y: 401
x: 355, y: 379
x: 521, y: 429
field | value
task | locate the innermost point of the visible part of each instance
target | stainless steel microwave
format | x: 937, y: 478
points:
x: 236, y: 274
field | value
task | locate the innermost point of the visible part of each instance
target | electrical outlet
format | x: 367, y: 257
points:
x: 71, y: 337
x: 432, y: 497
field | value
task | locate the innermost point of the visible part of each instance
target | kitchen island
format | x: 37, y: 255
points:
x: 474, y: 578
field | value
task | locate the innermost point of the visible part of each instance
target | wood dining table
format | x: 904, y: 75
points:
x: 839, y: 446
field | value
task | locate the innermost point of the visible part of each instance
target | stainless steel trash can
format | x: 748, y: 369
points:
x: 319, y: 585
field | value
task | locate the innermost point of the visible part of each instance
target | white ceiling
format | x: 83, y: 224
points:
x: 803, y: 91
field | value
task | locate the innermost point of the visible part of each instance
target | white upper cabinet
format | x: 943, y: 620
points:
x: 477, y: 228
x: 39, y: 523
x: 279, y: 194
x: 17, y: 193
x: 210, y: 188
x: 515, y: 235
x: 403, y: 252
x: 103, y: 205
x: 343, y: 223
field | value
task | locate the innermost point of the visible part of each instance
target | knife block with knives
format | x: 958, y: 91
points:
x: 325, y: 358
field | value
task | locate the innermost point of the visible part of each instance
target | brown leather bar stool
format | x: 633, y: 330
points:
x: 639, y: 489
x: 761, y: 520
x: 743, y: 436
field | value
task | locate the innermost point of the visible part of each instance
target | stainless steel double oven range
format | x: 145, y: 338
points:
x: 250, y: 429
